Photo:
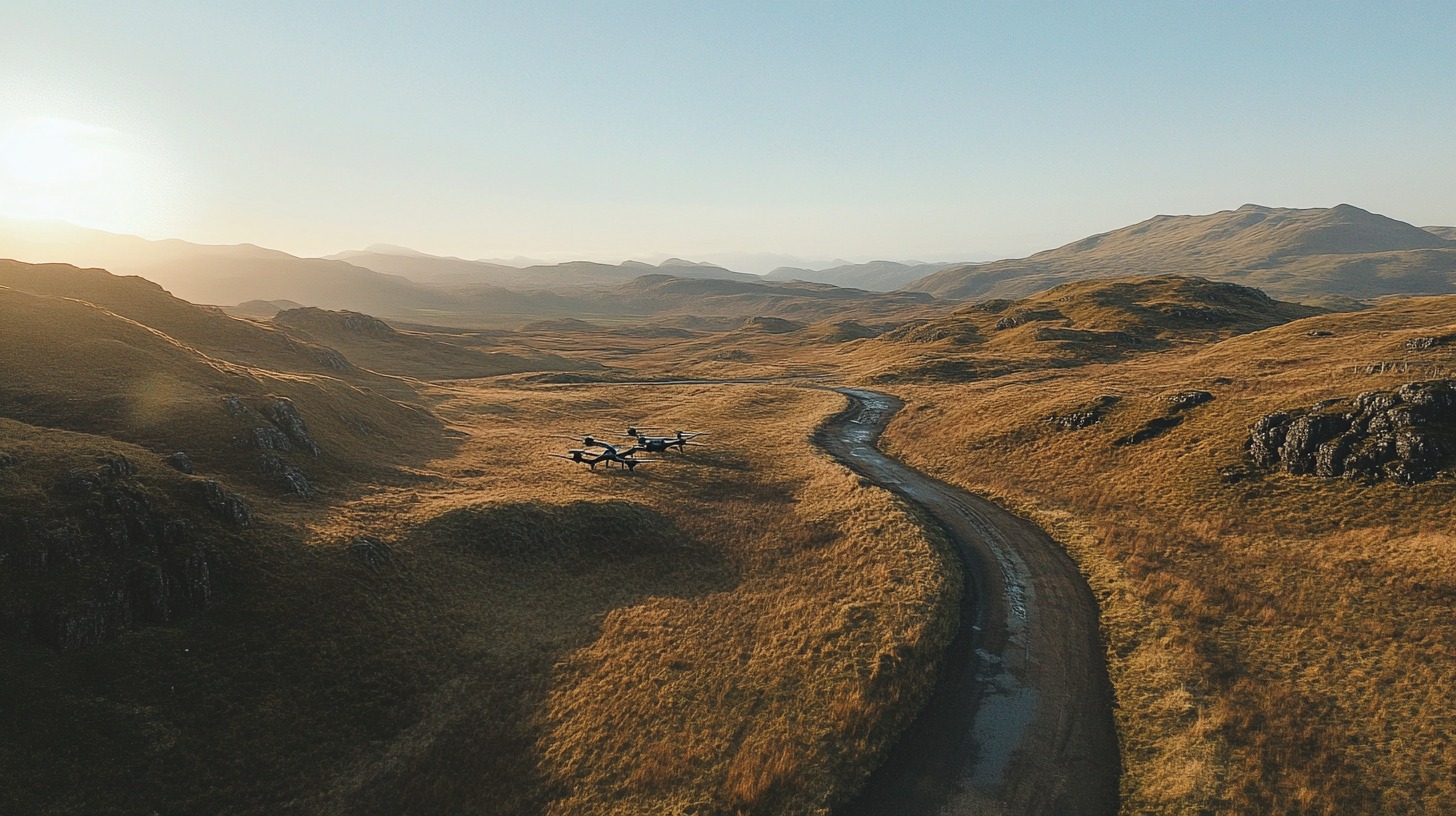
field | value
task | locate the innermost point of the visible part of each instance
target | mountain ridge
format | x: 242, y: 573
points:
x: 1311, y: 254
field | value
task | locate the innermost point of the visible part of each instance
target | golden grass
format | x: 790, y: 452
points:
x: 1278, y: 644
x: 745, y: 633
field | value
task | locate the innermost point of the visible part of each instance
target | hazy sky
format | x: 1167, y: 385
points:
x: 822, y: 129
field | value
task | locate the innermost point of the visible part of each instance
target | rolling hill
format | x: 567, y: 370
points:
x: 373, y: 344
x: 225, y: 586
x: 221, y: 275
x: 1332, y: 256
x: 1073, y: 324
x: 1275, y: 570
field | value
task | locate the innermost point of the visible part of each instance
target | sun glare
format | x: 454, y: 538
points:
x: 65, y: 170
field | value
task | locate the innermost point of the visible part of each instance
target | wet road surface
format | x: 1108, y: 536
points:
x: 1020, y: 721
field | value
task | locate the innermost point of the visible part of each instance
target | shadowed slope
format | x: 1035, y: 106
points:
x: 105, y: 374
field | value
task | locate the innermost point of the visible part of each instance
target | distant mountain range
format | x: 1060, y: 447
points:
x: 436, y: 270
x: 876, y: 276
x: 1328, y: 255
x: 426, y: 289
x: 1339, y: 257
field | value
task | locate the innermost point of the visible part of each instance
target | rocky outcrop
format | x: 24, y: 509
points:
x: 99, y: 555
x: 1429, y: 343
x: 277, y: 428
x: 1183, y: 400
x: 228, y: 507
x: 180, y: 461
x: 286, y: 418
x: 285, y: 429
x: 1178, y: 404
x: 1407, y: 435
x: 289, y: 476
x: 1086, y: 415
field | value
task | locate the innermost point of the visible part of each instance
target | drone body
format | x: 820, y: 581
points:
x: 595, y: 452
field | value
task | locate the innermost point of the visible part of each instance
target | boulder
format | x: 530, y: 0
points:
x: 282, y: 414
x: 1183, y: 400
x: 1407, y: 435
x: 180, y: 461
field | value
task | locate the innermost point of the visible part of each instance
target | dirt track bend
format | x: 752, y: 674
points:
x: 1020, y: 721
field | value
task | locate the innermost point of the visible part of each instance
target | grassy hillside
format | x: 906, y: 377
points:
x: 1070, y: 325
x: 1279, y: 643
x: 201, y: 328
x: 341, y: 602
x: 1312, y: 255
x: 374, y: 344
x: 743, y: 633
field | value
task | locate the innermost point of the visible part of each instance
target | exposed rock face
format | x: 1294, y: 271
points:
x: 180, y: 461
x: 292, y: 478
x: 1085, y: 416
x: 1183, y: 400
x: 1407, y: 435
x: 1028, y: 316
x: 282, y: 414
x: 96, y: 558
x: 277, y: 428
x: 1429, y: 343
x: 226, y: 506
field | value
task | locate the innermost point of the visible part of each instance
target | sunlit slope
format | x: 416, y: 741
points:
x: 374, y: 344
x: 220, y: 275
x: 1072, y: 324
x: 1280, y: 641
x: 1307, y: 255
x: 203, y: 328
x: 74, y: 365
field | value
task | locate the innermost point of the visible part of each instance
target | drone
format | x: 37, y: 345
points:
x: 659, y: 444
x: 608, y: 455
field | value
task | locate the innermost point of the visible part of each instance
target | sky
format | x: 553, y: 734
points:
x: 816, y: 130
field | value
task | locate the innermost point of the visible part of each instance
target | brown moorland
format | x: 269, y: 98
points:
x: 449, y: 620
x: 1279, y: 643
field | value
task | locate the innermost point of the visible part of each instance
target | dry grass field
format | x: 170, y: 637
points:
x: 451, y: 621
x: 1279, y: 643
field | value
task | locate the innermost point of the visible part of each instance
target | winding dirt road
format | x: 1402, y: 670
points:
x: 1020, y: 721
